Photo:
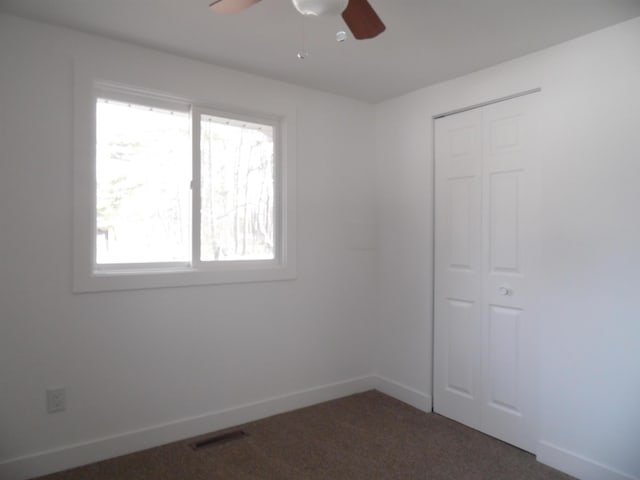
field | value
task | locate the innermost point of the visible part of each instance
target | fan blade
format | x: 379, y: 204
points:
x: 231, y: 6
x: 362, y: 20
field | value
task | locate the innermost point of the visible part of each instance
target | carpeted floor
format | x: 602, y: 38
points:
x: 367, y: 436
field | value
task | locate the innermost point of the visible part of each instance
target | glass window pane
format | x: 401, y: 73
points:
x: 237, y: 190
x: 143, y: 170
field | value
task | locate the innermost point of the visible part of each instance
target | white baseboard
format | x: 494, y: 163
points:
x: 94, y: 450
x: 420, y: 400
x: 577, y: 465
x: 70, y: 456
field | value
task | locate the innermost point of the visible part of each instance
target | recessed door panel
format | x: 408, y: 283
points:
x: 460, y: 226
x: 460, y: 348
x: 504, y: 358
x: 461, y: 141
x: 504, y: 201
x: 505, y: 134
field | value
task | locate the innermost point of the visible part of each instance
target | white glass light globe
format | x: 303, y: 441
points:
x: 320, y: 7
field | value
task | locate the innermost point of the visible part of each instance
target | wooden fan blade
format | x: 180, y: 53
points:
x: 362, y: 20
x: 231, y: 6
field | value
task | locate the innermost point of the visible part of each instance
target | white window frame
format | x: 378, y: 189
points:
x: 196, y: 116
x: 91, y: 277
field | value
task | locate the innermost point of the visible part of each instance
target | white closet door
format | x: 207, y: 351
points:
x: 458, y: 265
x: 485, y: 333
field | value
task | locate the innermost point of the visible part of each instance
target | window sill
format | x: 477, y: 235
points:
x: 174, y: 277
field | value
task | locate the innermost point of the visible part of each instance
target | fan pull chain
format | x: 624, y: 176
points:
x: 302, y: 53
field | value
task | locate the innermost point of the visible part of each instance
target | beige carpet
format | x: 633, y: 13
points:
x: 366, y: 436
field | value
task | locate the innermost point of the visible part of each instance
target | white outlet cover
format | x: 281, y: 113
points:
x: 56, y: 400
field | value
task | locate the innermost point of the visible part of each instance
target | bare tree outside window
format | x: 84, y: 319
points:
x: 237, y: 190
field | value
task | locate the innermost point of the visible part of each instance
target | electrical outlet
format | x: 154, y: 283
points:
x: 56, y: 400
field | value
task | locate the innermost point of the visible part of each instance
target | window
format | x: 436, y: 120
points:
x: 236, y: 190
x: 183, y: 194
x: 143, y: 172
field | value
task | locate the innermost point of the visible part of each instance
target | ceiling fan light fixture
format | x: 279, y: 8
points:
x: 320, y: 7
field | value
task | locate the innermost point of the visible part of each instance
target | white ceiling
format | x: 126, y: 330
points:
x: 427, y: 41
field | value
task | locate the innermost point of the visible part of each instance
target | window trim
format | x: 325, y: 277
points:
x: 94, y: 81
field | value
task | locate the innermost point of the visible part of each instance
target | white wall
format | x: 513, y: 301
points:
x: 137, y: 360
x: 589, y: 327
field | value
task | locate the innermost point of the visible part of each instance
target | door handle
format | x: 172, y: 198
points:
x: 505, y: 291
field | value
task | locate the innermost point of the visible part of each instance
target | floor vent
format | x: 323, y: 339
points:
x: 217, y: 439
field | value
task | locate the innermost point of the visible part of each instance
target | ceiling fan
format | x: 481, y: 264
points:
x: 359, y: 15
